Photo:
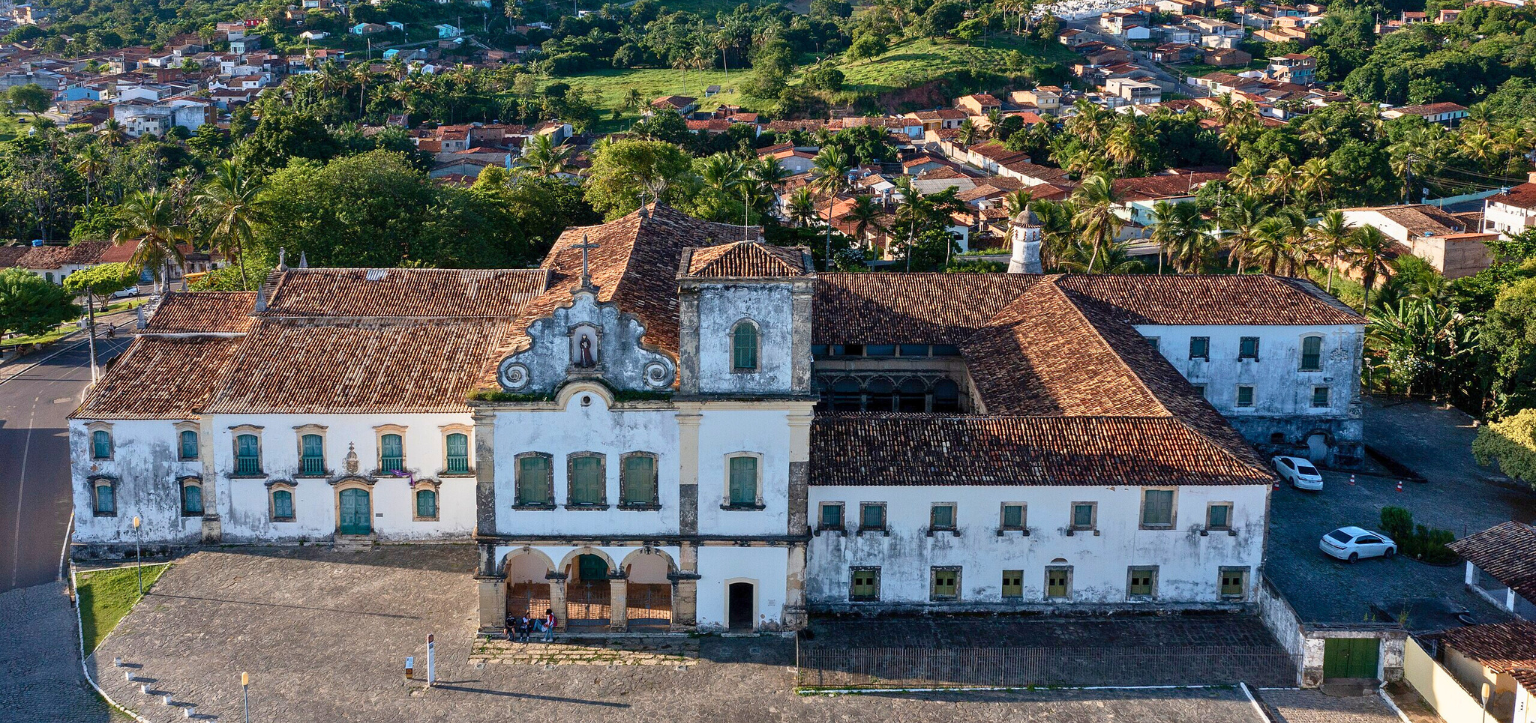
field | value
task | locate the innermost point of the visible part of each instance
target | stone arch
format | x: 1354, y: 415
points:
x: 528, y: 584
x: 570, y: 558
x: 589, y: 601
x: 537, y: 557
x: 648, y: 589
x: 576, y: 388
x: 643, y: 555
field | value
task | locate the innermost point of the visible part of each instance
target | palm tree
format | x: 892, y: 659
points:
x: 722, y: 173
x: 968, y: 132
x: 1315, y: 176
x: 230, y: 196
x: 1281, y: 178
x: 1248, y: 179
x: 1122, y: 147
x: 1331, y: 237
x: 1055, y: 229
x: 1279, y: 244
x: 112, y: 132
x: 1368, y: 253
x: 765, y: 176
x: 1180, y: 233
x: 802, y: 206
x: 1243, y: 219
x: 544, y: 158
x: 1095, y: 221
x: 91, y: 164
x: 633, y: 101
x: 831, y: 166
x: 865, y: 215
x: 150, y: 217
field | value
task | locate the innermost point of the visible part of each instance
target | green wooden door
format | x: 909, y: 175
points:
x: 1350, y: 657
x: 591, y: 568
x: 355, y: 512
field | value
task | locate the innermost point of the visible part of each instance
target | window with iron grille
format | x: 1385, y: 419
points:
x: 1244, y: 396
x: 1319, y: 397
x: 832, y: 515
x: 872, y: 516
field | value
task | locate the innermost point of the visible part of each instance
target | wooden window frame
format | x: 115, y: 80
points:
x: 437, y: 501
x: 1253, y: 396
x: 197, y: 435
x: 885, y: 520
x: 1046, y: 592
x: 1072, y: 525
x: 90, y: 437
x: 1002, y: 518
x: 570, y: 481
x: 518, y: 503
x: 654, y: 484
x: 1302, y: 354
x: 852, y: 571
x: 379, y: 433
x: 1327, y: 397
x: 1222, y: 572
x: 933, y: 583
x: 299, y: 433
x: 293, y: 498
x: 182, y: 484
x: 1004, y: 588
x: 1245, y: 357
x: 842, y: 517
x: 1206, y: 354
x: 954, y: 518
x: 235, y: 433
x: 725, y: 504
x: 97, y: 483
x: 1218, y: 528
x: 469, y: 449
x: 757, y: 347
x: 1130, y: 575
x: 1173, y: 510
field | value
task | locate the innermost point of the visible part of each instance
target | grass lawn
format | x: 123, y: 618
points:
x: 44, y: 338
x: 613, y: 85
x: 106, y: 596
x: 917, y: 61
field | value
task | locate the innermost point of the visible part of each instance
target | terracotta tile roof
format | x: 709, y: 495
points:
x: 203, y: 311
x: 56, y: 257
x: 925, y: 449
x: 294, y: 367
x: 1501, y: 646
x: 435, y: 293
x: 744, y: 259
x: 1430, y: 109
x: 9, y: 255
x: 1151, y: 187
x: 866, y: 308
x: 1214, y: 299
x: 160, y: 378
x: 1521, y: 196
x: 1507, y: 552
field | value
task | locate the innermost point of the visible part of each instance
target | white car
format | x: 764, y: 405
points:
x: 1300, y: 472
x: 1352, y: 543
x: 125, y: 293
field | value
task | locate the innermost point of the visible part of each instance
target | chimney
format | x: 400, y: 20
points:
x: 1530, y: 177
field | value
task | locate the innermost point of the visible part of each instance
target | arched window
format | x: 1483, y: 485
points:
x: 426, y: 504
x: 880, y: 395
x: 247, y: 455
x: 282, y: 504
x: 744, y: 346
x: 188, y: 444
x: 1311, y: 353
x: 912, y: 396
x: 101, y: 444
x: 191, y: 498
x: 845, y: 396
x: 946, y: 397
x: 105, y: 497
x: 458, y: 453
x: 391, y: 453
x: 312, y: 455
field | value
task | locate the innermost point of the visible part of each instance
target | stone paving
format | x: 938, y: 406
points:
x: 674, y: 651
x: 1311, y: 706
x: 1459, y: 496
x: 40, y: 678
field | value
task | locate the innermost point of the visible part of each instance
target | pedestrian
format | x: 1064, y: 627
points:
x: 549, y: 626
x: 524, y: 629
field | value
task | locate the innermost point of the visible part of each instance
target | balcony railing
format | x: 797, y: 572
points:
x: 391, y: 464
x: 312, y: 467
x: 458, y: 464
x: 247, y: 465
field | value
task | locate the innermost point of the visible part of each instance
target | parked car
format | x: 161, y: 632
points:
x: 1300, y: 472
x: 125, y: 293
x: 1352, y: 543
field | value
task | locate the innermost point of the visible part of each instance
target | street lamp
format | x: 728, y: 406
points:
x: 245, y: 694
x: 138, y: 555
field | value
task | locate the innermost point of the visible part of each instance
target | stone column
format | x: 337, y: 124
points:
x: 618, y: 608
x: 485, y: 472
x: 493, y: 603
x: 799, y: 472
x: 557, y: 601
x: 688, y: 472
x: 685, y: 590
x: 215, y: 498
x: 795, y: 617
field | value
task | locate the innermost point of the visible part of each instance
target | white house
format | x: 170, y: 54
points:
x: 671, y: 425
x: 1513, y: 211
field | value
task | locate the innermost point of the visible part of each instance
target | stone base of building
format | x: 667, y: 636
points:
x: 1022, y: 609
x: 1333, y: 442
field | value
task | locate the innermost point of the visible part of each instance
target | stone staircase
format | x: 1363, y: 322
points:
x: 352, y: 543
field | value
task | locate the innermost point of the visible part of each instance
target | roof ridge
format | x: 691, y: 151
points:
x: 1099, y: 334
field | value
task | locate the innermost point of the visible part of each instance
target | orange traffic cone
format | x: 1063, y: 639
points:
x: 1399, y: 485
x: 1351, y: 480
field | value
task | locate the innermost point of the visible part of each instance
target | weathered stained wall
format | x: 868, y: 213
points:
x: 769, y: 307
x: 146, y: 468
x: 1188, y: 563
x: 764, y: 567
x: 621, y: 361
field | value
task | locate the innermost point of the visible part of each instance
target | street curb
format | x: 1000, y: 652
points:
x: 80, y: 637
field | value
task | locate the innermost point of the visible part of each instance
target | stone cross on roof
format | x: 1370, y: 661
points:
x: 586, y: 276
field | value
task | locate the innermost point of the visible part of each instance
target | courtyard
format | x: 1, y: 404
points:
x: 1457, y: 495
x: 324, y: 636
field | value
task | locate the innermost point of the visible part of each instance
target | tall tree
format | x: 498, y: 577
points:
x: 831, y: 166
x: 1368, y: 253
x: 29, y: 305
x: 1096, y: 221
x: 231, y: 199
x: 152, y: 219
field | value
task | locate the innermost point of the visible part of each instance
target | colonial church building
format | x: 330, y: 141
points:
x: 673, y: 425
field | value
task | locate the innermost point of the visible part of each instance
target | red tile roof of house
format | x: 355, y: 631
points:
x: 1501, y: 646
x: 745, y: 259
x: 1521, y: 196
x: 1507, y: 552
x: 160, y: 378
x: 203, y: 312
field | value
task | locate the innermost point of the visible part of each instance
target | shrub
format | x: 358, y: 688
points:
x: 1417, y: 541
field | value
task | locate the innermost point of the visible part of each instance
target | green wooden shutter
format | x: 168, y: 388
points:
x: 426, y: 504
x: 587, y: 481
x: 188, y: 444
x: 744, y: 347
x: 458, y: 453
x: 101, y: 444
x: 191, y: 500
x: 743, y: 481
x: 638, y: 480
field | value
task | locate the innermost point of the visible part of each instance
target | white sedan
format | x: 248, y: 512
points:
x: 1299, y: 472
x: 1353, y: 543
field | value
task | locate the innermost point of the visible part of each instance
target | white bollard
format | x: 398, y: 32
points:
x: 189, y: 711
x: 128, y: 675
x: 166, y: 699
x: 144, y: 688
x: 117, y: 662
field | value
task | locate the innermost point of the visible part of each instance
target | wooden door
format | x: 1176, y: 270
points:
x: 1350, y: 658
x: 356, y: 513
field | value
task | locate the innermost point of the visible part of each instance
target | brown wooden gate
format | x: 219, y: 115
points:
x: 528, y: 598
x: 587, y: 603
x: 648, y: 604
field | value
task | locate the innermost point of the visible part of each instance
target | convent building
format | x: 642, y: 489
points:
x: 672, y: 425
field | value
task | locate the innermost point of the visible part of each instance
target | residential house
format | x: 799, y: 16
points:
x: 1227, y: 57
x: 1443, y: 240
x: 1133, y: 92
x: 1293, y: 68
x: 1500, y: 566
x: 1045, y: 98
x: 368, y: 28
x: 246, y: 44
x: 940, y: 119
x: 978, y: 103
x: 680, y: 104
x: 1446, y: 114
x: 1513, y: 211
x: 1074, y: 37
x: 1497, y: 657
x: 1176, y: 53
x: 445, y: 30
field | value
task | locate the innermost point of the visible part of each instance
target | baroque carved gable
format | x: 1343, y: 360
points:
x: 586, y: 339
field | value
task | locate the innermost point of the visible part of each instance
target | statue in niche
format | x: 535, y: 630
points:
x: 586, y: 361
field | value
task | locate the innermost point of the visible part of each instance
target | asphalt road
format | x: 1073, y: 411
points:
x: 34, y: 459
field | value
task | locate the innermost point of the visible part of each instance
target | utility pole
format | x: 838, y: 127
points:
x: 138, y: 555
x: 1408, y: 180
